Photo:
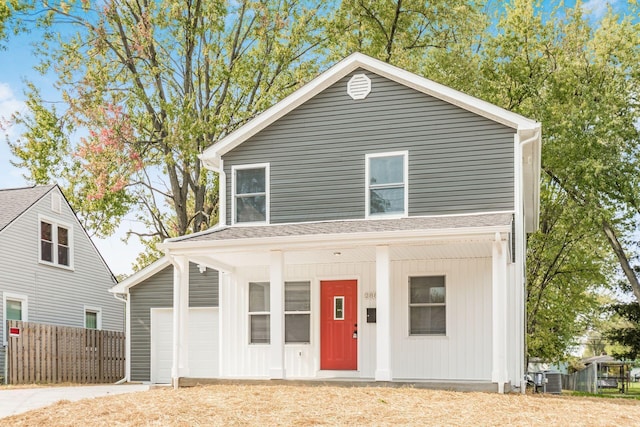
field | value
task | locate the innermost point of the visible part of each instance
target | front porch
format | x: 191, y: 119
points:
x: 470, y: 352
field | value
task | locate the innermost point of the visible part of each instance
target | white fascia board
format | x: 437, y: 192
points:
x: 211, y: 156
x: 320, y: 241
x: 140, y: 276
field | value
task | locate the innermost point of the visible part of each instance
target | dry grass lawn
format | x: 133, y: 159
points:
x: 271, y: 405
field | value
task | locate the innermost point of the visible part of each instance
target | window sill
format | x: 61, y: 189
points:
x: 60, y: 266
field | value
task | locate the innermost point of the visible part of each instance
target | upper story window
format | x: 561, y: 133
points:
x: 251, y: 194
x: 387, y: 190
x: 55, y: 243
x: 427, y: 306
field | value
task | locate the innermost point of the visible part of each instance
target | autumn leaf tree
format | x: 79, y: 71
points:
x: 146, y: 86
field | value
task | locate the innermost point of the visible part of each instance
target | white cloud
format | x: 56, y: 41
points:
x: 598, y: 8
x: 9, y: 105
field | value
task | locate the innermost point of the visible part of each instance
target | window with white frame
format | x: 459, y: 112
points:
x: 93, y: 317
x: 251, y: 193
x: 386, y: 175
x: 297, y: 312
x: 15, y: 307
x: 427, y: 305
x: 259, y: 313
x: 55, y: 243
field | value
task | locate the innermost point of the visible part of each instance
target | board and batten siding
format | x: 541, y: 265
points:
x: 459, y: 162
x: 468, y: 307
x: 55, y: 295
x: 157, y: 292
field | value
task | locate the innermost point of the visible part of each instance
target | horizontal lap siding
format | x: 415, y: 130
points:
x: 157, y: 292
x: 458, y: 161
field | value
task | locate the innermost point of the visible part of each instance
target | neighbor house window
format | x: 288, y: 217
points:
x: 251, y: 193
x: 259, y: 313
x: 386, y: 175
x: 427, y: 305
x: 297, y: 312
x: 14, y: 308
x: 55, y: 243
x: 92, y: 318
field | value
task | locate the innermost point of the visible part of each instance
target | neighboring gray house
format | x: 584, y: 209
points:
x: 373, y: 227
x: 149, y: 321
x: 50, y: 270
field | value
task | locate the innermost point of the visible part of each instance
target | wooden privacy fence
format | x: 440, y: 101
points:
x: 39, y: 353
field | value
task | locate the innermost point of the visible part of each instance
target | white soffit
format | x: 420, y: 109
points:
x: 359, y: 86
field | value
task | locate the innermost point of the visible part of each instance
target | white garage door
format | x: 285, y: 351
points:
x: 203, y: 343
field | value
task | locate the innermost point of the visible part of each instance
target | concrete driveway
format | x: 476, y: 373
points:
x: 16, y: 401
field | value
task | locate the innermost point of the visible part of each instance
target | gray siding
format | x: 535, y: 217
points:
x: 55, y: 295
x: 459, y: 162
x: 157, y: 292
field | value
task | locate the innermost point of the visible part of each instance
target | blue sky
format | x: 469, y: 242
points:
x: 16, y: 65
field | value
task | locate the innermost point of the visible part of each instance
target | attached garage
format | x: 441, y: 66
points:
x: 203, y: 343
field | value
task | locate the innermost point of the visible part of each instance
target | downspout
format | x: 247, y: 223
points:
x: 127, y: 340
x: 521, y: 254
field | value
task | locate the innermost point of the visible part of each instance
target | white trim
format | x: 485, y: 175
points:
x: 153, y: 357
x: 211, y: 156
x: 267, y: 196
x: 97, y: 311
x: 405, y: 165
x: 222, y: 194
x: 54, y: 241
x: 384, y: 310
x: 24, y: 301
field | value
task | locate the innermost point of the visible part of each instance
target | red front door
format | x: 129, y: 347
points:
x: 339, y: 325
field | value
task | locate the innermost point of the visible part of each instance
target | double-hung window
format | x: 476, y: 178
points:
x: 251, y: 193
x: 297, y: 312
x: 55, y: 243
x: 387, y: 191
x: 427, y: 305
x: 259, y: 313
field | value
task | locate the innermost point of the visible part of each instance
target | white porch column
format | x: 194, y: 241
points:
x: 180, y: 367
x: 499, y: 373
x: 276, y: 366
x: 383, y: 314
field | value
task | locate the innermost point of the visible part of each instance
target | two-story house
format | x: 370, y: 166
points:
x: 372, y: 227
x: 50, y: 270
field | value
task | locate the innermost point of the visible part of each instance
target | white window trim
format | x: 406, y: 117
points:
x: 255, y: 313
x: 93, y: 309
x: 367, y: 196
x: 298, y: 312
x: 267, y: 184
x: 25, y: 310
x: 445, y: 305
x: 335, y: 301
x: 54, y: 235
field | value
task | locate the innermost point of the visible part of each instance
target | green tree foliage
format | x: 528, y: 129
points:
x: 146, y: 87
x: 627, y: 333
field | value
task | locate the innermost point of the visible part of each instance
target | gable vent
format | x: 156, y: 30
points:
x: 56, y: 202
x: 359, y: 86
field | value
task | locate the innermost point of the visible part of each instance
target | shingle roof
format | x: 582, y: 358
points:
x: 350, y: 226
x: 14, y: 201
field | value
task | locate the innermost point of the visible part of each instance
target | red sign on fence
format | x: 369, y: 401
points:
x: 14, y: 332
